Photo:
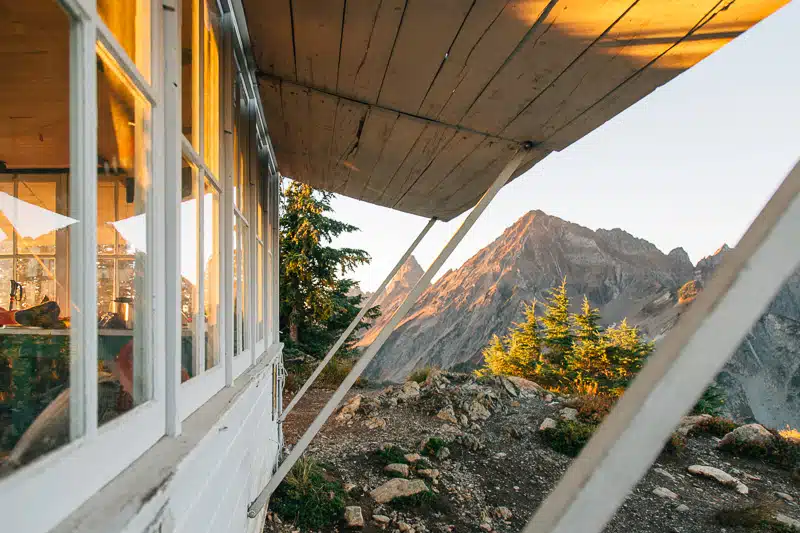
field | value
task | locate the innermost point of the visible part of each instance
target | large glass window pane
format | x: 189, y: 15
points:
x: 244, y: 285
x: 129, y: 21
x: 211, y: 280
x: 211, y: 85
x: 124, y: 126
x: 34, y: 310
x: 190, y: 59
x: 189, y: 250
x: 259, y: 291
x: 237, y: 286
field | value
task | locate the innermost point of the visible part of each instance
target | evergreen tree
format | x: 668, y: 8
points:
x: 314, y: 302
x: 525, y: 350
x: 496, y: 358
x: 588, y: 362
x: 558, y: 336
x: 626, y: 354
x: 587, y: 323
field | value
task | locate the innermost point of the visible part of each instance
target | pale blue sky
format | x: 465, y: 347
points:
x: 690, y: 165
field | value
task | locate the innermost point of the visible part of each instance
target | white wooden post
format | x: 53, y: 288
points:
x: 630, y: 439
x: 398, y: 315
x: 364, y: 308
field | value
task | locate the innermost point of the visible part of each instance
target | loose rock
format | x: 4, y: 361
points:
x: 447, y: 414
x: 750, y: 434
x: 430, y: 473
x: 478, y: 412
x: 410, y: 391
x: 353, y: 516
x: 547, y: 423
x: 381, y: 519
x: 688, y: 423
x: 398, y: 488
x: 349, y: 409
x: 568, y: 413
x: 788, y: 521
x: 397, y: 468
x: 665, y: 493
x: 412, y: 457
x: 720, y: 476
x: 785, y: 497
x: 682, y: 508
x: 503, y: 513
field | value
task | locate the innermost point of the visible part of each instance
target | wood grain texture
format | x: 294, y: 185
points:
x: 425, y: 36
x: 566, y: 32
x: 647, y: 31
x: 349, y: 117
x: 370, y: 145
x: 270, y: 26
x: 370, y: 29
x: 489, y: 36
x: 317, y: 38
x: 404, y: 135
x: 297, y: 105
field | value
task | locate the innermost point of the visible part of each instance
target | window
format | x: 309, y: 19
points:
x: 123, y: 188
x: 34, y: 233
x: 129, y: 22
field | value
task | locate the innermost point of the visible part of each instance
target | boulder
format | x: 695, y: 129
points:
x: 381, y: 519
x: 665, y: 493
x: 477, y: 411
x: 547, y: 423
x: 510, y: 388
x: 688, y: 423
x: 750, y: 435
x: 409, y: 392
x: 399, y: 469
x: 398, y: 488
x: 568, y: 413
x: 447, y: 414
x: 720, y: 476
x: 353, y: 516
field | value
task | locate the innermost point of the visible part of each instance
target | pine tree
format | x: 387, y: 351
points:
x: 558, y: 336
x: 525, y: 351
x: 588, y: 362
x: 587, y: 323
x: 626, y: 353
x: 496, y: 358
x: 311, y: 272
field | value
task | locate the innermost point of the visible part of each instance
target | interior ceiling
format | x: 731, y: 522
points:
x: 417, y: 104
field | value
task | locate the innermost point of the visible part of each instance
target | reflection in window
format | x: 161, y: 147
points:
x: 129, y: 21
x: 211, y: 279
x: 211, y: 84
x: 189, y: 68
x: 123, y: 125
x: 34, y: 226
x: 191, y: 362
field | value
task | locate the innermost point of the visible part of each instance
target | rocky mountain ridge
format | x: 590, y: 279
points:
x: 622, y: 275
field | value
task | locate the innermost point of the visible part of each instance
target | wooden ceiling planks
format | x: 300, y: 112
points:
x: 369, y: 147
x: 646, y: 32
x: 270, y: 24
x: 404, y: 135
x: 491, y: 33
x: 317, y: 41
x: 369, y: 33
x: 416, y: 105
x: 567, y: 31
x: 426, y: 33
x: 724, y: 26
x: 458, y: 148
x: 432, y: 140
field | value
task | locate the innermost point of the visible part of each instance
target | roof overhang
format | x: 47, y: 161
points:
x: 416, y: 105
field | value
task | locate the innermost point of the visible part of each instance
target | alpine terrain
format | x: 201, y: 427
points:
x: 622, y: 275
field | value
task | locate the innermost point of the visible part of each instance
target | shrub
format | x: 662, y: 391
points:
x: 688, y: 291
x: 568, y: 437
x: 676, y: 445
x: 593, y: 409
x: 432, y: 446
x: 716, y: 426
x: 782, y: 452
x: 392, y: 454
x: 334, y: 373
x: 420, y: 375
x: 756, y: 518
x: 711, y: 402
x: 307, y: 498
x: 419, y: 499
x: 790, y: 434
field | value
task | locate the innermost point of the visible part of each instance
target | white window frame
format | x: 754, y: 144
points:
x: 110, y: 448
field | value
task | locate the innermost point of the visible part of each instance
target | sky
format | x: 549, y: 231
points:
x: 690, y: 165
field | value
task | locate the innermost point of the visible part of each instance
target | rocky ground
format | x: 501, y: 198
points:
x: 495, y: 468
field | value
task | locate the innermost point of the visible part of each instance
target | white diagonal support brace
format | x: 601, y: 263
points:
x: 629, y: 440
x: 370, y: 353
x: 364, y: 308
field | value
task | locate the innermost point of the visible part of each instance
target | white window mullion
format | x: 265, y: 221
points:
x: 199, y: 319
x: 83, y: 236
x: 226, y: 199
x: 173, y: 143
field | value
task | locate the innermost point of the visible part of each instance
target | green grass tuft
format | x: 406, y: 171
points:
x: 420, y: 375
x: 307, y: 498
x: 716, y: 426
x: 419, y: 499
x: 757, y: 518
x: 392, y: 454
x: 433, y: 446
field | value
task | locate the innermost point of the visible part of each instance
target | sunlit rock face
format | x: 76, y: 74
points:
x: 622, y: 275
